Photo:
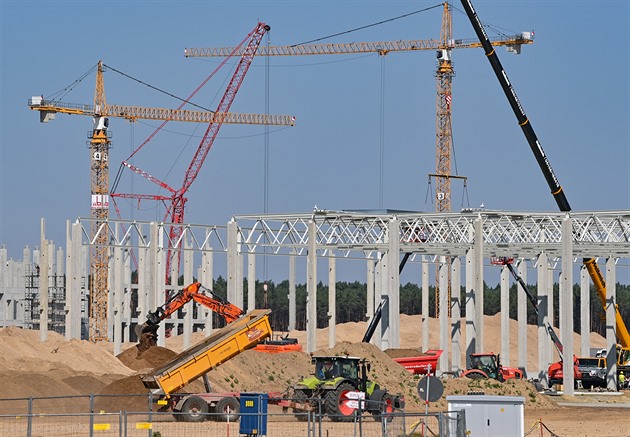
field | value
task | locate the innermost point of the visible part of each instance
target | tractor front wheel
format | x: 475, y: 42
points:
x: 338, y: 406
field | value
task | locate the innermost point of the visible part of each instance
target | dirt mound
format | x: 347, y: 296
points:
x: 403, y: 353
x: 128, y: 394
x: 154, y: 357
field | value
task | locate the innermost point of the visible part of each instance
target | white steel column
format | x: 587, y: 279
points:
x: 332, y: 300
x: 521, y: 303
x: 456, y: 315
x: 585, y: 313
x: 311, y: 289
x: 505, y: 315
x: 611, y: 338
x: 566, y: 309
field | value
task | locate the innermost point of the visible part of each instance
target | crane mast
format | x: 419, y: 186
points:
x: 99, y: 144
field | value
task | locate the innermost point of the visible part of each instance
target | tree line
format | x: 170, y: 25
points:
x: 351, y: 305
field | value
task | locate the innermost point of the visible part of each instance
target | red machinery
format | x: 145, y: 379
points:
x: 425, y: 364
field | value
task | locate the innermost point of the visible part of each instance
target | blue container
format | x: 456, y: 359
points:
x: 253, y: 414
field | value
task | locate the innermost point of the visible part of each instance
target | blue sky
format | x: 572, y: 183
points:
x: 572, y: 82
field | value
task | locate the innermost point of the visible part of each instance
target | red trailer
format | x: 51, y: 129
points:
x: 420, y: 365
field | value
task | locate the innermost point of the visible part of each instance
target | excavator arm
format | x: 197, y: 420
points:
x: 147, y: 332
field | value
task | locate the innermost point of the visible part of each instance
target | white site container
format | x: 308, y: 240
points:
x: 490, y: 416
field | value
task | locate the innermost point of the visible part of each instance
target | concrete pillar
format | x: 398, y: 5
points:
x: 585, y: 313
x: 425, y: 302
x: 566, y: 309
x: 232, y: 263
x: 521, y: 303
x: 144, y: 283
x: 311, y: 289
x: 188, y: 309
x: 43, y: 284
x: 544, y: 341
x: 444, y: 341
x: 611, y: 338
x: 292, y: 301
x: 456, y: 311
x: 479, y: 291
x: 378, y: 297
x: 370, y: 299
x: 505, y: 315
x: 116, y: 295
x: 157, y: 275
x: 251, y: 281
x: 394, y: 283
x: 332, y: 300
x: 73, y: 281
x: 207, y: 279
x: 471, y: 325
x: 127, y: 289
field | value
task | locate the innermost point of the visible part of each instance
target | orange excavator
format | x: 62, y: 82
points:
x: 147, y: 332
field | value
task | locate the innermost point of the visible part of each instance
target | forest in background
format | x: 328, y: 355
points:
x: 351, y: 305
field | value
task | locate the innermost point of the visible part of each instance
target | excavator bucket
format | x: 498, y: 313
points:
x: 147, y: 336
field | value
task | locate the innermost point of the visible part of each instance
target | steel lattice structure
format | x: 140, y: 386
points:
x: 359, y: 235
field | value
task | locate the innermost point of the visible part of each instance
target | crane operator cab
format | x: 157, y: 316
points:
x: 100, y: 123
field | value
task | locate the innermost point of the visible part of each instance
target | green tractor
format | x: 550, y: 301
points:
x: 341, y: 387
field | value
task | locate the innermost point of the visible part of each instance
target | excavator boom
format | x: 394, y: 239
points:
x: 147, y: 332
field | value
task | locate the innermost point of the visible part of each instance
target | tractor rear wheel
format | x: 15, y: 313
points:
x: 337, y: 404
x: 385, y: 409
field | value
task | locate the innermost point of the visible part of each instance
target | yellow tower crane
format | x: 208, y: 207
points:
x: 444, y: 75
x: 100, y: 144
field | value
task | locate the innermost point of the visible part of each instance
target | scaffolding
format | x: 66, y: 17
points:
x: 56, y: 300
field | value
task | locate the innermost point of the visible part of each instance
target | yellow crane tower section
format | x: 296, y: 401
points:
x: 99, y: 140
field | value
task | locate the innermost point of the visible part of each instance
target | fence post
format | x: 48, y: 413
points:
x: 91, y: 415
x: 29, y: 426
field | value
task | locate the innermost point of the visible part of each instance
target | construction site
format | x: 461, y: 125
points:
x: 122, y: 329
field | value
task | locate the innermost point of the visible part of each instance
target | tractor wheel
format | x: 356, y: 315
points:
x: 475, y: 374
x: 301, y: 397
x: 336, y: 404
x: 385, y: 409
x: 195, y: 409
x: 227, y: 409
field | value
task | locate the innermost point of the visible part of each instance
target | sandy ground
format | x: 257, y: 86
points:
x: 29, y: 367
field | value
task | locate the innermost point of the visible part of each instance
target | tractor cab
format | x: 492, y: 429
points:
x: 487, y: 363
x: 327, y: 368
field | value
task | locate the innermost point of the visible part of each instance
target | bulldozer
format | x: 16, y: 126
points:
x: 340, y: 389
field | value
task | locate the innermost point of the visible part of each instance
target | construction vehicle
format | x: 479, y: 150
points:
x: 236, y: 337
x: 340, y: 389
x: 425, y: 364
x: 147, y: 332
x: 623, y: 335
x: 488, y: 365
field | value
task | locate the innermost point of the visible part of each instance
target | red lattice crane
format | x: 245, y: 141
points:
x: 176, y: 201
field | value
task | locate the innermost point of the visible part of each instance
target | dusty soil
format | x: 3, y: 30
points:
x: 29, y: 367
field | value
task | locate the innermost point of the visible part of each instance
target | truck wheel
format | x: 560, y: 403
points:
x: 337, y: 406
x: 227, y: 409
x: 385, y: 409
x: 195, y: 409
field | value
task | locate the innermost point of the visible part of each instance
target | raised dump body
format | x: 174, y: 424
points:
x: 229, y: 341
x: 423, y: 364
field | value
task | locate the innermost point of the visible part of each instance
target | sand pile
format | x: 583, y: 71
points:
x: 151, y: 358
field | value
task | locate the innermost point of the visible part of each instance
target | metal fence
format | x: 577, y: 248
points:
x: 52, y: 416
